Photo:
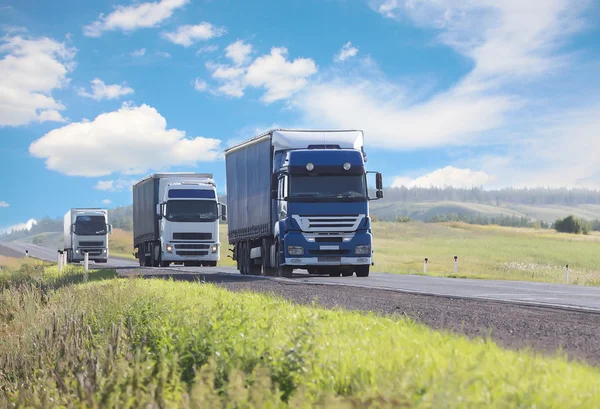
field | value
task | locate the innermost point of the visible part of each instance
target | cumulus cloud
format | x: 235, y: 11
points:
x: 106, y: 201
x: 448, y: 176
x: 134, y: 17
x: 200, y: 85
x: 31, y: 69
x: 131, y: 140
x: 102, y: 91
x: 278, y: 76
x: 239, y: 52
x: 139, y: 53
x: 115, y: 185
x: 190, y: 34
x: 207, y: 49
x: 347, y: 51
x: 4, y: 204
x: 20, y: 226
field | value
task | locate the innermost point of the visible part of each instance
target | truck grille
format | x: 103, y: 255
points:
x: 322, y: 223
x: 192, y: 236
x: 91, y: 243
x: 191, y: 246
x: 328, y: 252
x: 192, y: 253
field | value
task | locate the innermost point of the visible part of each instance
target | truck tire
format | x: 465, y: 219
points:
x: 335, y: 273
x: 362, y: 271
x: 266, y: 269
x: 347, y: 273
x: 165, y: 263
x: 282, y: 271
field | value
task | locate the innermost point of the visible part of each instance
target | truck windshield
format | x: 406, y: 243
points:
x: 90, y: 226
x: 192, y: 211
x: 328, y: 188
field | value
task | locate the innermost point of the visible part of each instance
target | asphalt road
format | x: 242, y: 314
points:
x: 517, y: 292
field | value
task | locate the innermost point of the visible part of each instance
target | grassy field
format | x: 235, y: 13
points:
x: 135, y: 343
x: 487, y: 252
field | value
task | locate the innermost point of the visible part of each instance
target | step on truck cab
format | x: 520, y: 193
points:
x: 176, y: 220
x: 86, y: 230
x: 298, y: 199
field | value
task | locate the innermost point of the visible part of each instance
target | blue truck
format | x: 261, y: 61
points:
x: 298, y: 199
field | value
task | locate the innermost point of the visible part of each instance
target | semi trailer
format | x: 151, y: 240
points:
x: 86, y: 230
x: 298, y: 199
x: 176, y: 220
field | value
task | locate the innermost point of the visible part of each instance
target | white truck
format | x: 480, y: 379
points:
x: 86, y: 230
x: 176, y: 220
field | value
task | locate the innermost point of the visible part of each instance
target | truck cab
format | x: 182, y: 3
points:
x: 189, y: 223
x: 86, y: 231
x: 322, y: 210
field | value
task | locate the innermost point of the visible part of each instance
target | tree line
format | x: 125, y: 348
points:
x: 526, y: 196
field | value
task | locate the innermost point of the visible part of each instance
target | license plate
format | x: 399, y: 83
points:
x: 330, y: 259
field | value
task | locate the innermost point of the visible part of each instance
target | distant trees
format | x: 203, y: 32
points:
x: 573, y: 225
x: 502, y: 220
x: 533, y: 197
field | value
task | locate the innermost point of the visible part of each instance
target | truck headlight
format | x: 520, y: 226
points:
x: 364, y: 249
x: 214, y: 248
x: 296, y: 250
x: 169, y: 248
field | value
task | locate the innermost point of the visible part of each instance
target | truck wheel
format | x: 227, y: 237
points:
x: 165, y: 263
x: 334, y: 273
x: 282, y: 271
x: 347, y: 273
x: 362, y: 271
x: 266, y: 268
x: 211, y: 263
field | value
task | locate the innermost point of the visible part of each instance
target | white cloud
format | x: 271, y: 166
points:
x: 131, y: 140
x: 31, y: 69
x: 347, y: 51
x: 139, y: 53
x: 106, y: 201
x: 20, y: 226
x: 4, y: 204
x: 273, y: 72
x: 448, y: 176
x: 207, y: 49
x: 239, y: 52
x: 163, y: 54
x: 102, y: 91
x: 188, y: 35
x: 115, y: 185
x: 200, y: 85
x: 134, y: 17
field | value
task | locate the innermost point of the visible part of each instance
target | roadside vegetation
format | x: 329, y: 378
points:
x: 140, y: 343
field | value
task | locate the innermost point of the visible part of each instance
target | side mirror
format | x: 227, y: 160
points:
x: 379, y: 181
x: 72, y: 229
x: 109, y: 228
x: 160, y: 210
x: 379, y: 194
x: 274, y: 194
x: 223, y: 212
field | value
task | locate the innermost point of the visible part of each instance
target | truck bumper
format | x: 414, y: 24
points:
x: 94, y: 254
x: 181, y: 252
x: 341, y: 252
x: 316, y: 261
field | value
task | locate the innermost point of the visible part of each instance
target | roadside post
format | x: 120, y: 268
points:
x: 60, y: 261
x: 425, y: 265
x: 86, y: 265
x: 456, y: 264
x: 567, y: 274
x: 26, y: 253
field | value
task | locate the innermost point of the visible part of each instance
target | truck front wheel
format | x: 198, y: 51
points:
x: 362, y: 271
x: 282, y: 271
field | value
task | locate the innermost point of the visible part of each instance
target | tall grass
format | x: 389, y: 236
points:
x: 151, y: 343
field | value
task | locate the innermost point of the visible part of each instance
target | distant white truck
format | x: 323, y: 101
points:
x: 86, y: 230
x: 176, y: 220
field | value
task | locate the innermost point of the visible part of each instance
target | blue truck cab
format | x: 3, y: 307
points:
x: 299, y: 199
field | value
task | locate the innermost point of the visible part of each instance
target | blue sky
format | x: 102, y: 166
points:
x: 97, y: 94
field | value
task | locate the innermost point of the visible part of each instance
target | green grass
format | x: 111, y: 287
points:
x: 133, y: 343
x: 487, y: 252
